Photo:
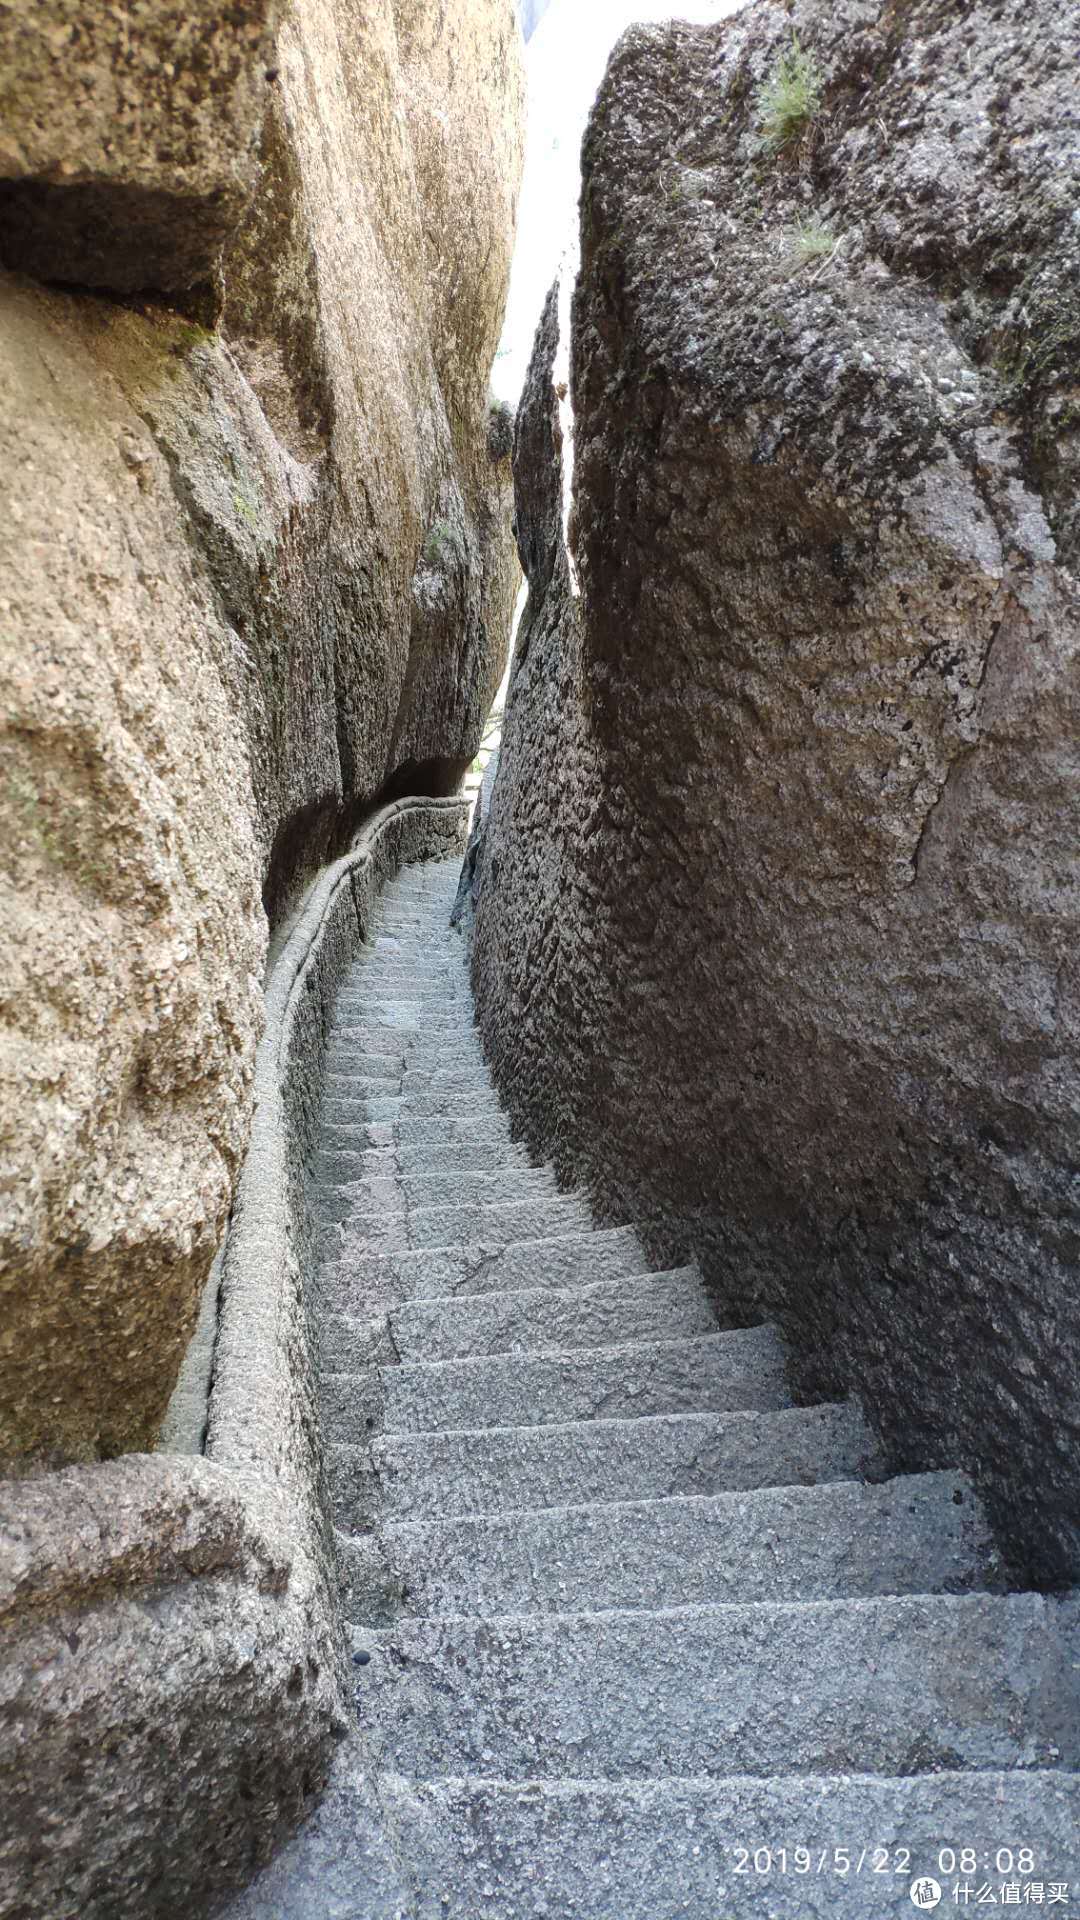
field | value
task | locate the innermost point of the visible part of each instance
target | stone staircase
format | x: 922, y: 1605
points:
x: 634, y: 1636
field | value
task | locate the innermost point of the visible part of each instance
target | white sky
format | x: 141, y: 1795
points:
x: 565, y: 61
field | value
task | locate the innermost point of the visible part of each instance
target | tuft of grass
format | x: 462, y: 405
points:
x: 188, y: 336
x: 808, y: 240
x: 788, y: 100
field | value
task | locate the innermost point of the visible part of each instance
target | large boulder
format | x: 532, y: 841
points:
x: 776, y: 912
x: 253, y: 577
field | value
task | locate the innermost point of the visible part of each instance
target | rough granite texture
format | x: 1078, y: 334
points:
x: 907, y: 1684
x: 129, y: 134
x: 255, y: 575
x: 587, y: 1849
x: 776, y: 916
x: 169, y: 1687
x: 171, y: 1644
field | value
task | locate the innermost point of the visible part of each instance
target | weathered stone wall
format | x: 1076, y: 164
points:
x: 776, y: 914
x: 255, y: 572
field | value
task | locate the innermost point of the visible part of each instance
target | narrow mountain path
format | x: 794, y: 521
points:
x: 633, y: 1636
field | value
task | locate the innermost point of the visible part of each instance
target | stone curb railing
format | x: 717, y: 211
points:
x: 171, y: 1677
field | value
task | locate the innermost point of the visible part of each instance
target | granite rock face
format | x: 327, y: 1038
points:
x: 254, y: 575
x: 129, y: 135
x: 775, y: 910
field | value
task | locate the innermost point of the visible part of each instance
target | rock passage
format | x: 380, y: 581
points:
x: 633, y: 1635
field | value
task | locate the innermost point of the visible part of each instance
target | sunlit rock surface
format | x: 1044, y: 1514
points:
x: 253, y: 574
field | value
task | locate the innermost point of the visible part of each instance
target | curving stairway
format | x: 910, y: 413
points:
x: 634, y: 1637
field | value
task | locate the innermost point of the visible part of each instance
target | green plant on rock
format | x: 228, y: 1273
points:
x: 808, y: 240
x: 188, y: 336
x: 440, y: 543
x: 246, y: 508
x: 788, y: 100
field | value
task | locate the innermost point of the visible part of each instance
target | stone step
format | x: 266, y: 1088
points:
x: 346, y: 1077
x: 503, y: 1224
x: 463, y: 1156
x: 441, y: 1055
x: 365, y: 1283
x: 450, y: 1162
x: 924, y: 1533
x: 408, y: 944
x: 396, y: 921
x: 456, y: 1046
x: 383, y: 1192
x: 344, y: 1345
x: 410, y: 947
x: 406, y: 977
x: 348, y: 1051
x: 721, y: 1371
x: 366, y: 1014
x: 900, y: 1685
x: 425, y: 918
x: 485, y: 1226
x: 344, y: 1166
x: 442, y: 1129
x: 399, y: 1019
x: 495, y: 1187
x: 359, y: 1134
x: 365, y: 1110
x: 343, y: 1231
x: 402, y: 1476
x: 371, y: 1107
x: 418, y: 934
x: 410, y: 975
x: 654, y: 1307
x: 447, y: 1102
x: 464, y: 1081
x: 444, y: 1042
x: 406, y: 903
x: 662, y: 1306
x: 366, y: 1102
x: 442, y: 997
x: 345, y: 1071
x: 421, y: 889
x: 431, y: 998
x: 818, y: 1848
x: 356, y: 1095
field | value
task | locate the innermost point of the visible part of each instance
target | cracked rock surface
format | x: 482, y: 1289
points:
x: 775, y: 911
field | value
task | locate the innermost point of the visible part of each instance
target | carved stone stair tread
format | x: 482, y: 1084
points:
x: 360, y: 1277
x: 921, y: 1533
x: 870, y: 1685
x: 601, y: 1314
x: 424, y: 1476
x: 721, y: 1371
